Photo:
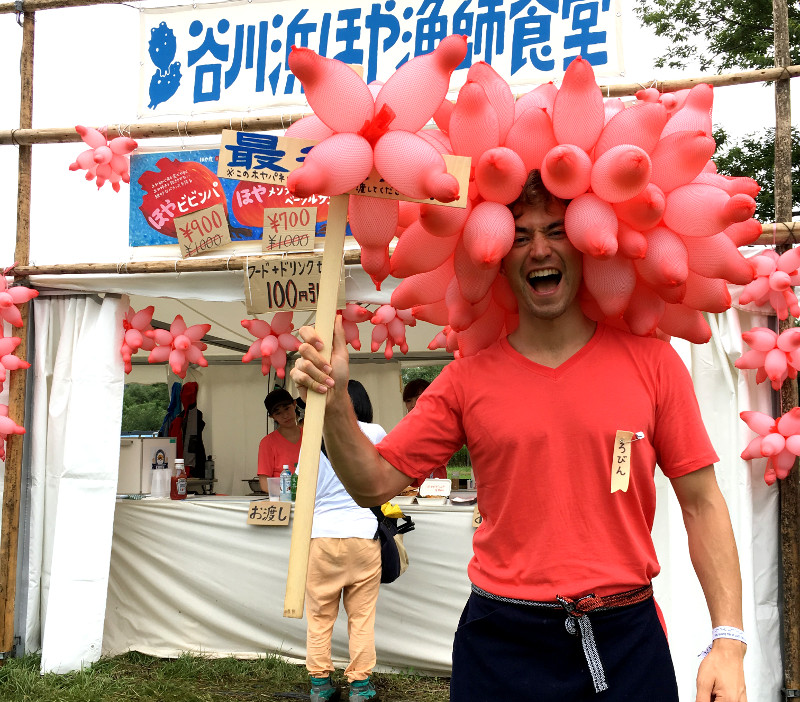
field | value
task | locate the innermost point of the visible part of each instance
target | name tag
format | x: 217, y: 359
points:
x: 621, y: 461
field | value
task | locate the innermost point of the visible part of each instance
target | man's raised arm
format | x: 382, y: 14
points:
x: 368, y: 477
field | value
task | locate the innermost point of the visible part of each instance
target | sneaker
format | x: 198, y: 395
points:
x: 362, y: 690
x: 322, y: 690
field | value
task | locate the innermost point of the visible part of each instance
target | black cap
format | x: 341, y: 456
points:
x: 279, y: 396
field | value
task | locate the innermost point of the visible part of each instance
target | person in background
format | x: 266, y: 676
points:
x: 411, y: 393
x: 282, y: 446
x: 344, y: 562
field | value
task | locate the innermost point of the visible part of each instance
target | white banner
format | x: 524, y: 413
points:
x: 233, y: 55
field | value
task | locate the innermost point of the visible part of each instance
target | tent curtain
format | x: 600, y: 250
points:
x: 78, y: 383
x: 723, y: 392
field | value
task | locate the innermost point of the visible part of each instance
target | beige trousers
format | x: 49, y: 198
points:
x: 350, y: 569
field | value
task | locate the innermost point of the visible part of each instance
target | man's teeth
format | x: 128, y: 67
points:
x: 543, y: 273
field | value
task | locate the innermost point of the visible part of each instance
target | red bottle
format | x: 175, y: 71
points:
x: 177, y: 488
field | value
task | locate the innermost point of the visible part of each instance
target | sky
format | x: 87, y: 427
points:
x: 86, y: 72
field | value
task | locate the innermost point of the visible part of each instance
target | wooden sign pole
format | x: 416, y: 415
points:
x: 315, y: 413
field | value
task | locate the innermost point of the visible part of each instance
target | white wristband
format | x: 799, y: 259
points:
x: 724, y: 632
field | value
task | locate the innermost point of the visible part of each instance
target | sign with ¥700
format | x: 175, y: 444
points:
x: 203, y: 231
x: 273, y: 284
x: 289, y: 229
x: 268, y: 513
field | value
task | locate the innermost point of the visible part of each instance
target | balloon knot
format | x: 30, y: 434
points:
x: 374, y: 129
x: 126, y: 325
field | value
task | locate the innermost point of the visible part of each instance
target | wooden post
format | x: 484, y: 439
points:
x: 9, y: 530
x: 790, y: 487
x: 315, y: 413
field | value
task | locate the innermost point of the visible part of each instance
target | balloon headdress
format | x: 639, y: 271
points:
x: 658, y: 227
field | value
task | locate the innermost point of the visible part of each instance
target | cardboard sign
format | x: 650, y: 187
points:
x: 268, y: 513
x: 621, y: 461
x: 289, y: 229
x: 262, y: 158
x: 291, y: 283
x: 476, y: 518
x: 202, y: 231
x: 266, y: 158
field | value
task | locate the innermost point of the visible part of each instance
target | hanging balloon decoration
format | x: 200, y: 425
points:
x: 273, y: 341
x: 390, y: 327
x: 181, y: 345
x: 773, y: 285
x: 8, y: 361
x: 136, y: 326
x: 772, y: 356
x: 778, y: 441
x: 104, y: 160
x: 7, y: 427
x: 10, y: 297
x: 352, y: 314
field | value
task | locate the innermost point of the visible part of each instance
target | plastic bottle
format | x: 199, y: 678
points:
x: 209, y: 468
x: 294, y: 483
x: 286, y: 484
x: 177, y: 489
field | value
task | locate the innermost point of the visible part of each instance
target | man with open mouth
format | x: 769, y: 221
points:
x: 561, y: 605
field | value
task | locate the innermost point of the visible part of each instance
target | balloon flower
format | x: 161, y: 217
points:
x: 104, y: 160
x: 136, y: 325
x: 272, y: 342
x: 390, y: 326
x: 778, y: 441
x: 775, y: 278
x: 181, y: 345
x: 352, y: 314
x: 7, y: 427
x: 772, y: 356
x: 10, y: 297
x: 7, y: 360
x: 658, y: 227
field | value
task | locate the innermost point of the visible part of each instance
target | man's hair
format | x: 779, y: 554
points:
x: 361, y: 402
x: 279, y: 396
x: 535, y: 194
x: 414, y: 388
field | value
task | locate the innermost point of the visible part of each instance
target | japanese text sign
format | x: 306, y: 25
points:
x: 234, y: 55
x: 621, y: 461
x: 289, y: 229
x: 202, y: 231
x: 267, y: 513
x: 274, y: 284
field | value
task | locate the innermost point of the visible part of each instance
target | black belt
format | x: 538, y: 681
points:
x: 578, y: 620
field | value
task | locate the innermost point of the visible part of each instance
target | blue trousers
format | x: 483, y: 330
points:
x: 505, y: 651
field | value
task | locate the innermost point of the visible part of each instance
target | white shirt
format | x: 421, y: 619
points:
x: 336, y: 515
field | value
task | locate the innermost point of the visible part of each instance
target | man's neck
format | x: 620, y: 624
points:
x: 551, y: 342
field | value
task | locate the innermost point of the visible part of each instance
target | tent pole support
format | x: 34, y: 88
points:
x: 9, y: 530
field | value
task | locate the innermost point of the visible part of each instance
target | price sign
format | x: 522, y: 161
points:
x: 289, y: 229
x: 202, y: 231
x: 292, y: 283
x: 267, y: 513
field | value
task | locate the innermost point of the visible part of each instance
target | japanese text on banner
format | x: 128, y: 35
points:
x: 234, y: 55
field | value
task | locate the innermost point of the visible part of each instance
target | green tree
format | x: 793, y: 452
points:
x: 722, y: 35
x: 754, y: 156
x: 144, y: 407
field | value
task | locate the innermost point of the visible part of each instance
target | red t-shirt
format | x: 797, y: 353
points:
x: 275, y: 452
x: 541, y: 442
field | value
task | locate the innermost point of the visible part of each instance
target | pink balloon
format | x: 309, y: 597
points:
x: 611, y: 282
x: 621, y: 173
x: 406, y: 261
x: 332, y: 167
x: 335, y: 92
x: 474, y: 282
x: 474, y: 126
x: 423, y: 288
x: 644, y: 311
x: 639, y: 125
x: 497, y: 92
x: 682, y: 321
x: 591, y: 226
x: 679, y: 158
x: 706, y: 294
x: 500, y: 175
x: 645, y: 210
x: 542, y: 96
x: 531, y: 137
x: 666, y: 260
x: 443, y: 221
x: 488, y: 234
x: 703, y: 210
x: 578, y: 113
x: 566, y: 171
x: 717, y: 257
x: 310, y: 127
x: 695, y: 115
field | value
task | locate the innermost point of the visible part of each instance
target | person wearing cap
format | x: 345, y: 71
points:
x: 282, y: 446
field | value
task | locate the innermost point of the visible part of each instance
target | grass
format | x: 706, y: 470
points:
x: 135, y: 677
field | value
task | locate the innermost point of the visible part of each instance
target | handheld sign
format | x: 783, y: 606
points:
x: 202, y: 231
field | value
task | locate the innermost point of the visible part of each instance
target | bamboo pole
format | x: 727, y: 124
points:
x: 789, y: 488
x: 315, y: 414
x: 9, y: 526
x: 186, y: 128
x: 32, y: 5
